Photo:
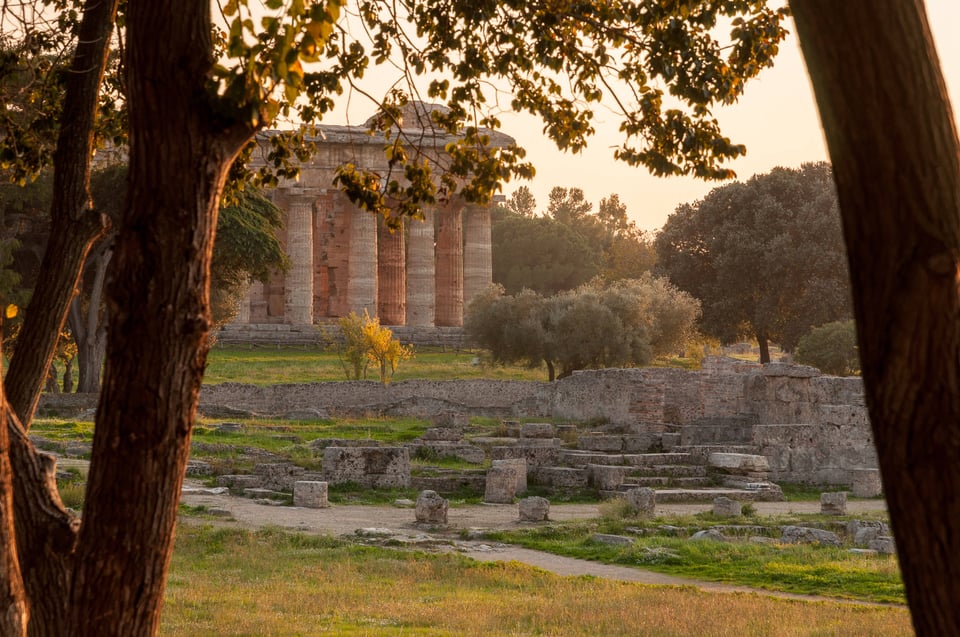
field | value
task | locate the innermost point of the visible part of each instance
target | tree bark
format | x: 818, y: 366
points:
x: 74, y: 224
x: 157, y: 299
x: 45, y: 532
x: 90, y: 329
x: 14, y: 618
x: 896, y: 158
x: 764, y: 344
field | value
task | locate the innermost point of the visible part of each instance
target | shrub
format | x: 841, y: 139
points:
x: 832, y: 348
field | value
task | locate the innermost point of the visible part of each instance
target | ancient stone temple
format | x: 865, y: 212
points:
x: 343, y: 259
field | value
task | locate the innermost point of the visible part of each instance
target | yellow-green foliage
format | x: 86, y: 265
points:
x: 365, y: 341
x: 226, y: 582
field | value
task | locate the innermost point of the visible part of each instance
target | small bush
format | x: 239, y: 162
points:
x: 832, y: 348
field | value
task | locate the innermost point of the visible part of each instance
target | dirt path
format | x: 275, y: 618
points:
x: 399, y: 525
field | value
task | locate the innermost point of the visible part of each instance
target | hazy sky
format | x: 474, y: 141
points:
x: 776, y: 119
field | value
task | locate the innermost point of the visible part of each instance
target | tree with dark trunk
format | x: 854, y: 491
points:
x: 896, y: 159
x: 765, y: 257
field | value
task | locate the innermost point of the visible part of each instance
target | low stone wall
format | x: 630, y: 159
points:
x: 281, y: 334
x: 811, y: 428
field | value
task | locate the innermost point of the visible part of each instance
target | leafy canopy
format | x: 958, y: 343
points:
x: 766, y: 257
x: 659, y: 66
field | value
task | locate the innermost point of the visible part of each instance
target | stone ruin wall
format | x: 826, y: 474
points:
x: 812, y: 428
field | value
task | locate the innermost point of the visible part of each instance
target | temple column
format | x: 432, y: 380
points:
x: 243, y: 307
x: 450, y: 266
x: 257, y: 302
x: 421, y: 271
x: 477, y: 252
x: 391, y: 273
x: 298, y: 283
x: 362, y: 269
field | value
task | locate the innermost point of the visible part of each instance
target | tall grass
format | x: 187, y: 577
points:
x: 228, y: 582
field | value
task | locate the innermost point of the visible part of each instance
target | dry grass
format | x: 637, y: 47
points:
x: 270, y: 583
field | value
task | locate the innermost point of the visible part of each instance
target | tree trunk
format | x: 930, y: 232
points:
x: 159, y: 320
x: 764, y: 344
x: 889, y: 128
x: 90, y: 329
x: 74, y: 224
x: 13, y: 619
x: 45, y: 532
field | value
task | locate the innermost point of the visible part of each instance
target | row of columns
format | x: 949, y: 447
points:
x: 421, y: 274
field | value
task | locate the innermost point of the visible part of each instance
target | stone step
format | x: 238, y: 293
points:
x: 665, y: 496
x: 702, y: 452
x: 663, y: 481
x: 648, y: 459
x: 671, y: 470
x: 580, y: 458
x: 666, y: 483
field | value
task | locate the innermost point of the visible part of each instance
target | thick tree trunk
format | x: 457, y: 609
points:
x: 764, y: 344
x: 74, y: 224
x: 896, y: 159
x: 13, y: 597
x: 45, y: 532
x: 158, y: 306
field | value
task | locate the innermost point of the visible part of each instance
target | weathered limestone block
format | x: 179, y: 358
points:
x: 536, y: 455
x: 863, y: 531
x: 738, y: 463
x: 578, y: 458
x: 519, y: 467
x: 640, y: 443
x: 833, y: 503
x: 866, y: 483
x: 606, y: 478
x: 451, y: 419
x: 244, y: 481
x: 600, y: 442
x: 561, y: 477
x: 452, y: 434
x: 375, y: 467
x: 642, y: 501
x: 196, y: 468
x: 431, y: 508
x: 727, y: 507
x: 310, y: 494
x: 806, y: 535
x: 501, y: 485
x: 537, y: 430
x: 278, y: 476
x: 534, y: 509
x: 883, y: 544
x: 460, y: 450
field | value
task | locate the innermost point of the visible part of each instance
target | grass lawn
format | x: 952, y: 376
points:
x: 232, y: 582
x: 794, y: 568
x: 267, y: 366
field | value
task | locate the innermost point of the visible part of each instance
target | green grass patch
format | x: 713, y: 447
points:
x: 804, y: 569
x: 269, y: 365
x: 233, y: 582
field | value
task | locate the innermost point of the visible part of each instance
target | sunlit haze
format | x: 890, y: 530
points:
x: 776, y: 119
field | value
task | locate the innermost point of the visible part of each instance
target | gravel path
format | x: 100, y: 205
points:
x: 399, y: 524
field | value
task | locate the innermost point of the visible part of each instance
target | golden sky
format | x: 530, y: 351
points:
x: 776, y: 119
